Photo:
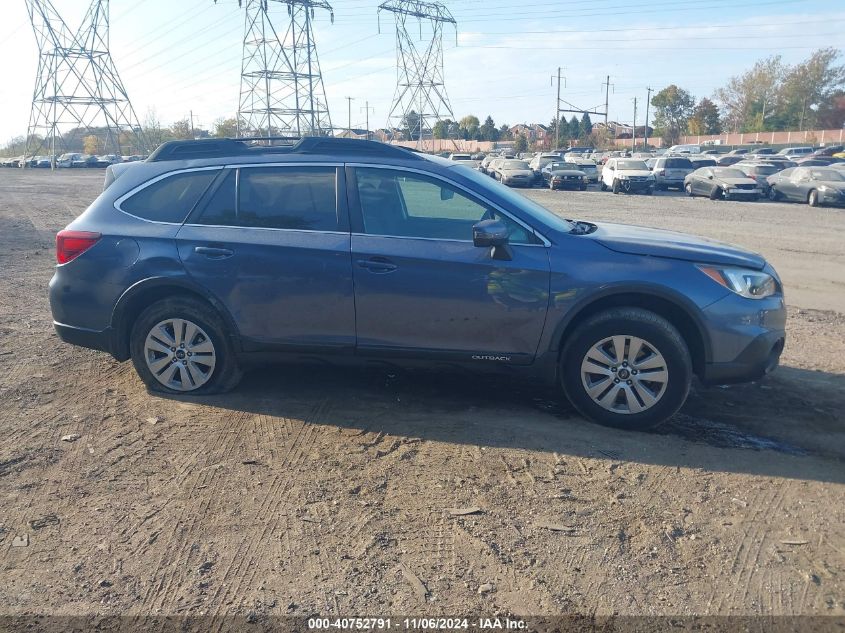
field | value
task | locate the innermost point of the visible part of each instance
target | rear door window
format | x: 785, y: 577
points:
x: 678, y: 163
x: 298, y: 198
x: 301, y: 198
x: 171, y: 198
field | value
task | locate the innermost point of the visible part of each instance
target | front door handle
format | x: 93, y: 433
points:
x: 213, y: 252
x: 377, y: 265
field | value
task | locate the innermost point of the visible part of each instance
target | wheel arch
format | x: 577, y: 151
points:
x: 672, y: 307
x: 143, y: 293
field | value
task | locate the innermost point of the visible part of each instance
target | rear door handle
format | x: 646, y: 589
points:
x: 377, y: 265
x: 213, y: 252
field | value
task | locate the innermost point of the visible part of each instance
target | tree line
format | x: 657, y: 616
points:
x: 771, y: 96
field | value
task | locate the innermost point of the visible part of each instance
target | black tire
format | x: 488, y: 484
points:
x: 583, y: 187
x: 716, y: 193
x: 688, y: 189
x: 813, y: 198
x: 602, y: 186
x: 774, y: 196
x: 226, y: 373
x: 615, y: 185
x: 637, y: 322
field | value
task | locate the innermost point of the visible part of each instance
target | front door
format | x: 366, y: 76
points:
x: 423, y: 289
x: 272, y: 244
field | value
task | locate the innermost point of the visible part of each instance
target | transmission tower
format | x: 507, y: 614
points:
x: 77, y: 89
x: 420, y: 86
x: 282, y: 90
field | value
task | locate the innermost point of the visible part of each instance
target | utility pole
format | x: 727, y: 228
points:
x: 349, y: 128
x: 606, y: 85
x: 647, y: 102
x: 367, y: 111
x: 557, y: 112
x: 634, y: 128
x: 193, y: 134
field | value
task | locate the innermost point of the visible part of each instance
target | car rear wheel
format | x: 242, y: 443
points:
x: 813, y: 198
x: 615, y: 186
x: 181, y: 346
x: 626, y: 367
x: 773, y: 194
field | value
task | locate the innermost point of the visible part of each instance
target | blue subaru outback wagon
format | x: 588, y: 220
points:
x: 215, y: 254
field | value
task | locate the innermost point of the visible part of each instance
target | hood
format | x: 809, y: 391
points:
x: 518, y: 172
x: 567, y: 172
x: 638, y: 240
x: 633, y: 172
x: 738, y: 181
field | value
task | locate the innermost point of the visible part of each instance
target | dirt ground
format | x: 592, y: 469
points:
x: 329, y: 491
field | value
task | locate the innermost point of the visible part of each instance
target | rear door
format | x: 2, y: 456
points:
x: 423, y: 289
x: 271, y: 242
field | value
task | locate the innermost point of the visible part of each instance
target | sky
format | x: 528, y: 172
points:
x: 181, y: 56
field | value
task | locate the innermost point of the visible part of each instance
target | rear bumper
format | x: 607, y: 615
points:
x: 92, y: 339
x: 760, y: 357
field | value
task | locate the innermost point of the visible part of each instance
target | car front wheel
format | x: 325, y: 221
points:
x: 688, y: 189
x: 813, y: 198
x: 181, y: 346
x: 626, y: 367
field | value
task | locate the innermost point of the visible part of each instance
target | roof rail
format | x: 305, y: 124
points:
x: 223, y: 147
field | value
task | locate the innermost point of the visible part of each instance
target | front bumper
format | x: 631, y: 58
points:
x: 635, y: 185
x: 744, y: 194
x: 760, y: 357
x: 746, y: 338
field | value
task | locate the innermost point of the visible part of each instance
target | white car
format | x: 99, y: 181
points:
x: 465, y: 159
x: 627, y: 174
x: 684, y: 149
x: 795, y: 152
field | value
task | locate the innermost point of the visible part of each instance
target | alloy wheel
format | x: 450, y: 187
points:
x: 624, y: 374
x: 180, y: 354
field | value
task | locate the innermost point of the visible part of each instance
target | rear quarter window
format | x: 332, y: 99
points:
x: 171, y: 198
x: 678, y: 163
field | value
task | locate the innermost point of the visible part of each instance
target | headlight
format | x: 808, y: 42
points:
x: 623, y: 177
x: 751, y: 284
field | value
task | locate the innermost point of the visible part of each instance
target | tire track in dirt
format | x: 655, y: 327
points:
x: 176, y: 546
x: 247, y: 566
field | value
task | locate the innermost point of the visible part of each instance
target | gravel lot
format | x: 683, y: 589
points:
x: 328, y: 491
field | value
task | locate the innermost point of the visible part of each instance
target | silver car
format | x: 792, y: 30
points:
x: 670, y: 171
x: 514, y: 173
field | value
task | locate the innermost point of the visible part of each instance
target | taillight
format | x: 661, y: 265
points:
x: 71, y: 244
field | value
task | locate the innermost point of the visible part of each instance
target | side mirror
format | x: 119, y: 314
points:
x: 710, y: 177
x: 446, y: 193
x: 489, y: 233
x: 611, y: 167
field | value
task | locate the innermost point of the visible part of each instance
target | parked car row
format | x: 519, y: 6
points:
x: 752, y: 176
x: 70, y: 160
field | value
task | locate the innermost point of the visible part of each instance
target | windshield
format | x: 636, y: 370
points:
x: 729, y: 172
x: 562, y: 166
x: 827, y: 174
x: 461, y: 157
x: 515, y: 164
x: 529, y: 207
x: 631, y: 164
x: 764, y: 170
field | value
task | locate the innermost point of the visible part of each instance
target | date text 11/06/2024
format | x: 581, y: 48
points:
x: 385, y: 624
